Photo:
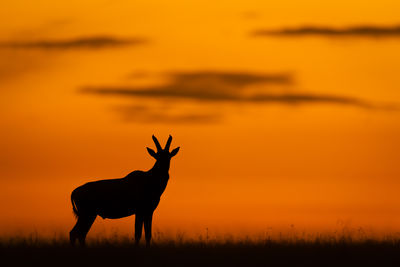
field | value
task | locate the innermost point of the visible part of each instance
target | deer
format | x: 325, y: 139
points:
x: 137, y: 194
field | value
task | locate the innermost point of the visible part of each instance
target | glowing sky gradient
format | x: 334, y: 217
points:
x: 274, y: 129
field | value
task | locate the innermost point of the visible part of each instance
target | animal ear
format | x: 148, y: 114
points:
x: 175, y: 151
x: 152, y: 153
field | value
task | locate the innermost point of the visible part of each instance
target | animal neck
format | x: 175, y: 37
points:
x: 160, y: 168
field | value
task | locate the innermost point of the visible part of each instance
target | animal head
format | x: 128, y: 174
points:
x: 163, y: 156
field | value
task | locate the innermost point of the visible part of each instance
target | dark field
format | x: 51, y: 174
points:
x: 28, y: 252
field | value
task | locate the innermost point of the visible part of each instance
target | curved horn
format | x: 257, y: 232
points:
x: 157, y: 143
x: 168, y: 143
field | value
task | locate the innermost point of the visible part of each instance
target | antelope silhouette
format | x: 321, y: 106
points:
x: 137, y: 193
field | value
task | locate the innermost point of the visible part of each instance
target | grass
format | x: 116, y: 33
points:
x: 320, y: 251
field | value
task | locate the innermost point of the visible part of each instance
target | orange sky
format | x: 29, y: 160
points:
x: 273, y: 130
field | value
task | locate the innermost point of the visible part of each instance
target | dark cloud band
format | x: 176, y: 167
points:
x: 223, y: 87
x: 146, y: 114
x: 354, y: 31
x: 212, y: 88
x: 173, y: 93
x: 93, y: 42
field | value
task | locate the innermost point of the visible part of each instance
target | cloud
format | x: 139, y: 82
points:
x: 202, y: 86
x: 223, y: 87
x: 18, y: 58
x: 171, y: 92
x: 145, y: 114
x: 91, y: 42
x: 232, y: 78
x: 210, y: 89
x: 368, y: 31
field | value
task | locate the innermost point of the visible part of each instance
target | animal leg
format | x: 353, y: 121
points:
x: 147, y: 228
x: 138, y: 227
x: 81, y: 229
x: 73, y: 235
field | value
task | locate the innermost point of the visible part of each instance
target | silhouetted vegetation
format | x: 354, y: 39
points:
x: 33, y: 251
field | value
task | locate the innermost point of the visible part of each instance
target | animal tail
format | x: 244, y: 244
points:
x: 74, y: 209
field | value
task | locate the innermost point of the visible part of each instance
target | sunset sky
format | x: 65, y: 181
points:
x: 286, y: 112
